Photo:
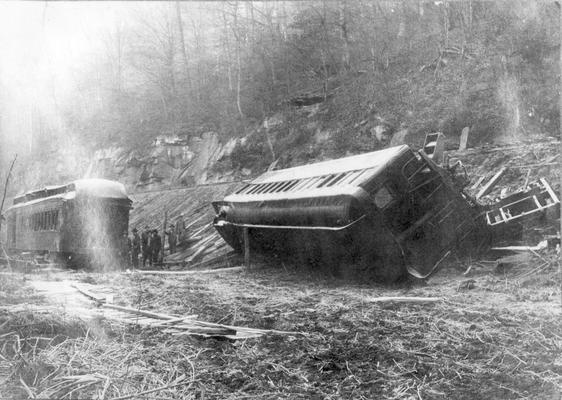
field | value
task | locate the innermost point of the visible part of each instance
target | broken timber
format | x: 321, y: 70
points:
x: 203, y: 271
x: 414, y: 300
x: 184, y: 325
x: 491, y: 183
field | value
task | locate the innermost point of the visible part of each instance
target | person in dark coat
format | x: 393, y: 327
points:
x: 172, y: 239
x: 156, y: 246
x: 135, y: 248
x: 145, y: 247
x: 124, y: 251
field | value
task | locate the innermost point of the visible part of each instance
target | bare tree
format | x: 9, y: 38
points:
x: 238, y: 37
x: 182, y: 43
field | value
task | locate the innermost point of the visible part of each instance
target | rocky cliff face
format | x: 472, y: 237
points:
x: 298, y: 136
x: 168, y: 162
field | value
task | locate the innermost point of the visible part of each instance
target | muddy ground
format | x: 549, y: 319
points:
x: 494, y: 333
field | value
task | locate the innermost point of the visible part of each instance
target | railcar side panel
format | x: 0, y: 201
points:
x: 35, y: 227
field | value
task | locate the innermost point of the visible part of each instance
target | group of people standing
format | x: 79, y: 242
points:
x: 149, y: 244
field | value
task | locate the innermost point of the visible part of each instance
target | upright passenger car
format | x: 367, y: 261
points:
x: 389, y: 211
x: 85, y: 221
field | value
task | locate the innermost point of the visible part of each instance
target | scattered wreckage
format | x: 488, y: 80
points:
x: 389, y: 212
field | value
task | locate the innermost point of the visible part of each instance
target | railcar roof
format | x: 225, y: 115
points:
x: 376, y: 159
x: 102, y: 188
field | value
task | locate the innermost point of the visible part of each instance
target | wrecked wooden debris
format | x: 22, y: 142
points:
x: 434, y: 146
x: 188, y: 272
x: 192, y: 202
x: 463, y: 141
x: 87, y: 293
x: 509, y: 216
x: 491, y: 183
x: 540, y: 246
x: 478, y: 182
x: 179, y: 325
x: 413, y: 300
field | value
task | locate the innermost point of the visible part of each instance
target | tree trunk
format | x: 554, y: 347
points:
x: 344, y: 35
x: 183, y: 49
x: 238, y: 83
x: 6, y: 187
x: 119, y: 67
x: 238, y: 62
x: 198, y: 79
x: 228, y: 52
x: 446, y: 23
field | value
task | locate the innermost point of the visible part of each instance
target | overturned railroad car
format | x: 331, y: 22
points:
x: 83, y: 223
x: 387, y: 212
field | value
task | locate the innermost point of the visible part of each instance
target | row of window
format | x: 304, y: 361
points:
x: 295, y: 185
x: 41, y: 221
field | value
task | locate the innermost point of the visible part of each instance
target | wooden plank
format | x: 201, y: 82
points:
x: 478, y: 182
x: 226, y: 257
x: 87, y: 293
x: 139, y: 312
x: 238, y: 336
x: 208, y: 330
x: 527, y: 179
x: 169, y: 323
x: 491, y: 183
x: 191, y: 272
x: 464, y: 138
x: 197, y: 253
x: 416, y: 300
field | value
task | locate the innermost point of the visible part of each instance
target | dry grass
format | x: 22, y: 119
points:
x: 44, y: 357
x: 499, y: 338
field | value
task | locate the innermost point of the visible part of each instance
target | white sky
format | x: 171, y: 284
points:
x: 42, y: 47
x: 41, y: 40
x: 45, y: 47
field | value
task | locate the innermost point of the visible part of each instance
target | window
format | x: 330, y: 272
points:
x: 361, y: 173
x: 337, y: 179
x: 291, y: 185
x: 262, y: 188
x: 301, y: 183
x: 313, y: 182
x: 383, y: 197
x: 253, y: 189
x: 286, y: 186
x: 243, y: 189
x: 44, y: 221
x: 349, y: 176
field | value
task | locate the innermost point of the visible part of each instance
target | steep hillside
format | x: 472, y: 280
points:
x: 288, y: 85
